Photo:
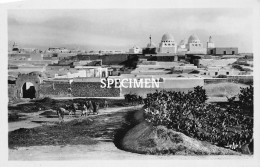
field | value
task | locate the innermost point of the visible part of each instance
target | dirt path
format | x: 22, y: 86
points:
x: 32, y: 120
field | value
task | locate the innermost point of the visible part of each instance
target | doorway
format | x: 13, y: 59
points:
x: 28, y: 90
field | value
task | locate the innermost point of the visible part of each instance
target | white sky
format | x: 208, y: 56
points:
x: 95, y: 29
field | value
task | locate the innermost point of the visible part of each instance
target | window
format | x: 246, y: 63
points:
x: 233, y: 52
x: 216, y: 73
x: 225, y: 52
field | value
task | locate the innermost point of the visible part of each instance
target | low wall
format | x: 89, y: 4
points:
x: 92, y: 89
x: 248, y: 79
x: 54, y: 89
x: 234, y: 79
x: 76, y: 89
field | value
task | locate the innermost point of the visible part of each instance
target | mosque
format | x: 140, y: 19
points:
x: 167, y: 44
x: 169, y: 47
x: 192, y: 46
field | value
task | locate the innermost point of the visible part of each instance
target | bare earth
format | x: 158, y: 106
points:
x: 101, y: 151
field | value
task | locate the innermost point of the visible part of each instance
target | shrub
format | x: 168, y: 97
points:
x: 133, y: 98
x: 188, y: 113
x: 246, y: 98
x: 245, y: 101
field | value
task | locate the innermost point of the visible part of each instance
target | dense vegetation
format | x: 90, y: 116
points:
x: 133, y: 99
x: 226, y: 126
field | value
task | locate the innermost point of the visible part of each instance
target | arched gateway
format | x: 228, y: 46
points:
x: 27, y: 85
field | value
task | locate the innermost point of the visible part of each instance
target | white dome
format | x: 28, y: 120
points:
x: 183, y: 42
x: 167, y: 37
x: 193, y: 38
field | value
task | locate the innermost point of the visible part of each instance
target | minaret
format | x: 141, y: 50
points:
x: 210, y: 44
x: 15, y: 47
x: 150, y: 40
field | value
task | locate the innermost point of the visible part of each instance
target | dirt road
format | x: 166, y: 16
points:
x: 32, y: 120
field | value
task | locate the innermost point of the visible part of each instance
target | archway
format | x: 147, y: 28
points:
x: 28, y: 90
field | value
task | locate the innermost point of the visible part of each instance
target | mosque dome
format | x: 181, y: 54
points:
x: 167, y: 37
x: 193, y: 38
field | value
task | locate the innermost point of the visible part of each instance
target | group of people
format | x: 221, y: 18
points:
x: 208, y: 122
x: 88, y: 107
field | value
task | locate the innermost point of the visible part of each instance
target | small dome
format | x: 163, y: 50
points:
x: 167, y: 37
x: 183, y: 42
x: 151, y: 45
x: 193, y: 38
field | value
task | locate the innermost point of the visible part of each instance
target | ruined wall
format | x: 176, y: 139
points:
x: 12, y: 91
x: 34, y: 78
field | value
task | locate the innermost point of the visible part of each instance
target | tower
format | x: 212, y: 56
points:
x: 150, y: 39
x: 15, y: 47
x: 210, y: 44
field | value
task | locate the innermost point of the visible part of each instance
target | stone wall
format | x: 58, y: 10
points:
x: 76, y: 89
x: 55, y: 89
x: 92, y: 89
x: 12, y: 91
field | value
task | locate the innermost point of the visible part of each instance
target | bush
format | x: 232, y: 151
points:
x: 133, y: 98
x: 245, y: 101
x: 246, y: 98
x: 188, y: 113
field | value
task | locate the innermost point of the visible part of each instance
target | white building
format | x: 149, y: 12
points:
x: 194, y: 46
x: 216, y: 71
x: 94, y: 71
x: 167, y: 44
x: 182, y: 46
x: 135, y: 50
x: 80, y: 73
x: 210, y: 44
x: 58, y: 50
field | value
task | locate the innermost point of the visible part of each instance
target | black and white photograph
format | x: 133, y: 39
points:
x: 130, y: 83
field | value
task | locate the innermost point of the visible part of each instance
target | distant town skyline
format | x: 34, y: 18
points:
x: 121, y: 29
